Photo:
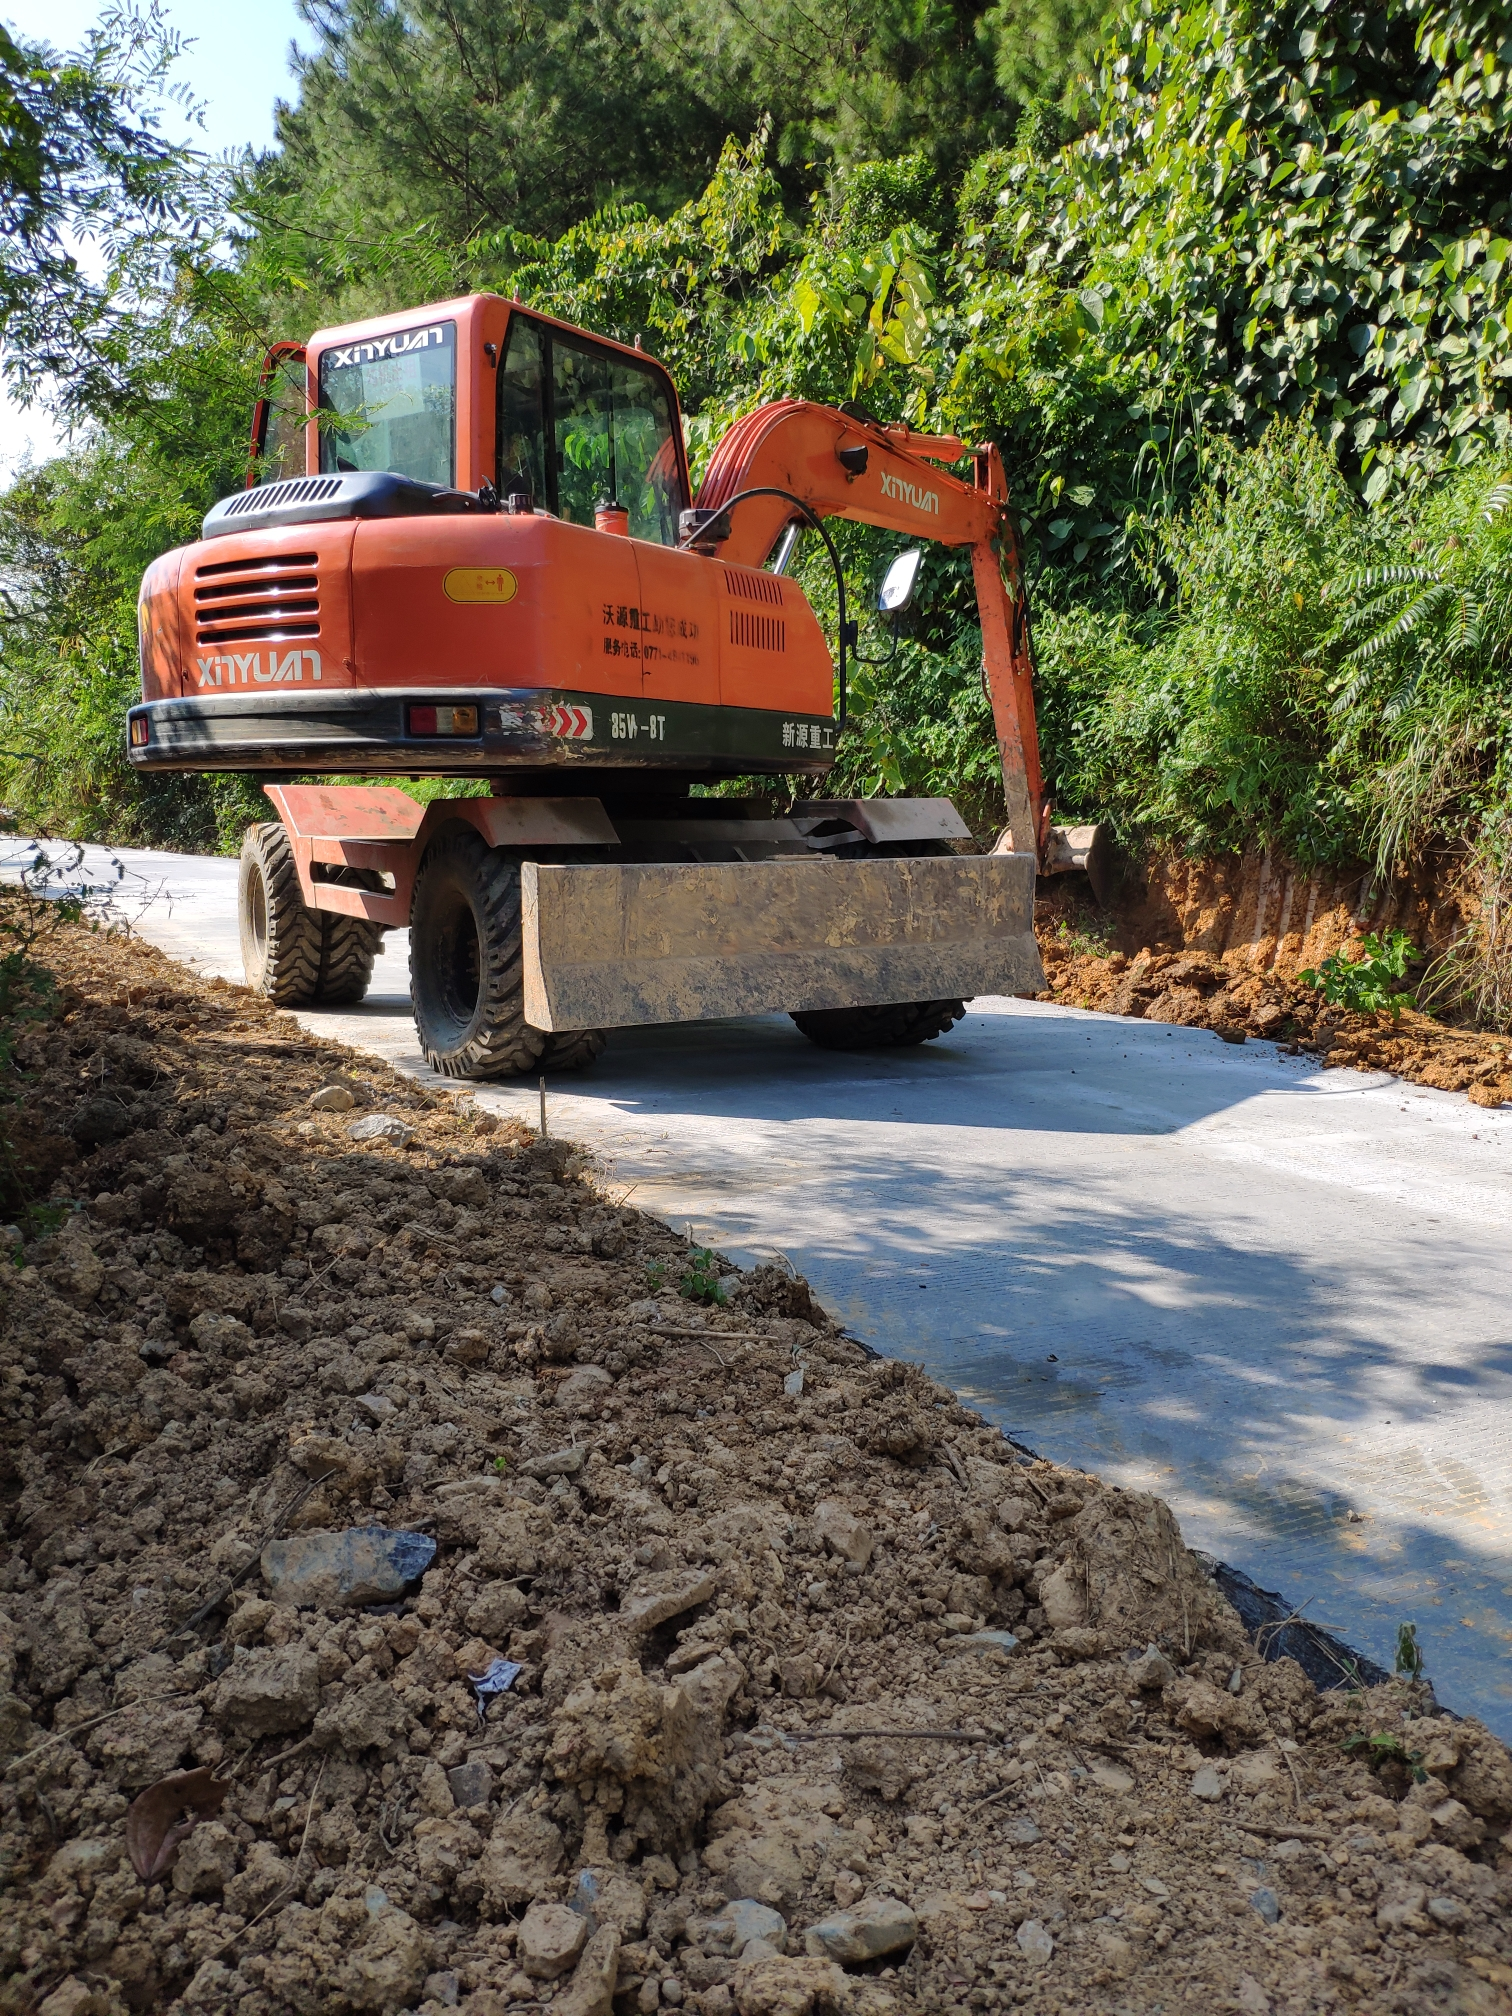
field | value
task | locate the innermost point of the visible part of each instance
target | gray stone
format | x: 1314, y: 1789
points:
x: 550, y: 1939
x: 266, y: 1693
x: 732, y: 1929
x: 1151, y: 1669
x: 1021, y: 1831
x: 365, y: 1564
x: 381, y: 1127
x: 1035, y: 1942
x: 1267, y: 1903
x: 560, y: 1463
x: 377, y: 1406
x: 655, y: 1598
x: 591, y: 1989
x: 471, y: 1783
x: 1448, y: 1912
x: 1208, y: 1783
x: 875, y: 1926
x: 985, y: 1642
x: 843, y: 1533
x: 444, y: 1987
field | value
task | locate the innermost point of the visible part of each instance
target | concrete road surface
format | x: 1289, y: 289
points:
x: 1275, y: 1294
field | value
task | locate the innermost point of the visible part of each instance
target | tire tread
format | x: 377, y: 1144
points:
x: 503, y: 1044
x: 896, y: 1026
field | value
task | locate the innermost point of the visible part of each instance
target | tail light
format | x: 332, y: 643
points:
x: 443, y: 720
x: 141, y: 731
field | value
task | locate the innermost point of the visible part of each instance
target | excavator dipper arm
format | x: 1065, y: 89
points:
x: 843, y: 466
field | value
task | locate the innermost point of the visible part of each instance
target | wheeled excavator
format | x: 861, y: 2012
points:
x: 467, y: 550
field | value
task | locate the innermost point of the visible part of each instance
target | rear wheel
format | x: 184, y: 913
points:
x: 293, y: 955
x: 466, y: 968
x: 898, y: 1024
x: 889, y: 1028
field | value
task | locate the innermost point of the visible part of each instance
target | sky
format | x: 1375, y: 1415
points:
x: 238, y: 64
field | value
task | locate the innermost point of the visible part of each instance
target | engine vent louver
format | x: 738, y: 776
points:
x: 259, y: 600
x: 760, y: 633
x: 753, y: 586
x: 273, y: 496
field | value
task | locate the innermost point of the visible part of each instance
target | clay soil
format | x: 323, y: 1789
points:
x: 1205, y: 946
x: 748, y: 1607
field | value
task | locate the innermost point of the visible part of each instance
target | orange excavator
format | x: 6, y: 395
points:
x: 467, y: 551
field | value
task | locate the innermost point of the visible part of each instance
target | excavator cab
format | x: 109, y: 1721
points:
x: 467, y: 549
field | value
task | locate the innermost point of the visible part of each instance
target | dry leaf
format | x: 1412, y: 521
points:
x: 166, y: 1814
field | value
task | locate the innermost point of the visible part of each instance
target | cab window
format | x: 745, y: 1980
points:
x: 596, y: 426
x: 391, y: 403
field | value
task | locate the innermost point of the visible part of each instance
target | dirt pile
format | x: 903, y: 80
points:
x: 805, y: 1690
x: 1201, y: 991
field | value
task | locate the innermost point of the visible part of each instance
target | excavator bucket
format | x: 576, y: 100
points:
x: 1086, y: 847
x: 612, y: 946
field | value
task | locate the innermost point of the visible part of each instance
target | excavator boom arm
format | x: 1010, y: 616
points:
x: 846, y: 467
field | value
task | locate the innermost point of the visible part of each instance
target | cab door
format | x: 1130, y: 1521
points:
x: 280, y: 419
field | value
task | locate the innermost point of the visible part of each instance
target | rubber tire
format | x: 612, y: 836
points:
x: 467, y: 970
x: 899, y: 1024
x: 893, y: 1027
x: 298, y: 957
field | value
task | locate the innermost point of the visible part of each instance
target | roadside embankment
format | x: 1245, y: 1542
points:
x: 1219, y: 945
x: 526, y: 1609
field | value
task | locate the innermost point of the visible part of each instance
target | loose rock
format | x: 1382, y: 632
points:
x: 365, y: 1564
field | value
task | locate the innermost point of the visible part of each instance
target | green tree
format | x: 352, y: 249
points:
x: 482, y: 116
x: 486, y: 114
x: 1300, y: 204
x: 82, y: 158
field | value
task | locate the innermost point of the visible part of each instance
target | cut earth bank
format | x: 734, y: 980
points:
x: 831, y: 1700
x: 1219, y: 944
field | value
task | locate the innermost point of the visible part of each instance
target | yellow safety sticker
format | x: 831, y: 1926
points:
x: 481, y: 584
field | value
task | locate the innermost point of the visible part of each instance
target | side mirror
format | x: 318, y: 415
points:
x: 898, y: 587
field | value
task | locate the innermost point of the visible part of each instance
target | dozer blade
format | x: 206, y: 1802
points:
x: 614, y: 946
x: 1088, y: 847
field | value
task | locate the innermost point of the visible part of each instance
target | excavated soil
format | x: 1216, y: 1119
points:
x: 1219, y: 944
x: 748, y: 1606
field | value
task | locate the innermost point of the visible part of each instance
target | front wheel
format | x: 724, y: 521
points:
x: 467, y: 969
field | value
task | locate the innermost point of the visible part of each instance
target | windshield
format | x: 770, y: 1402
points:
x: 394, y: 402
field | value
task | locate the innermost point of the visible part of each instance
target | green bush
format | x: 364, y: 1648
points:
x: 1365, y: 985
